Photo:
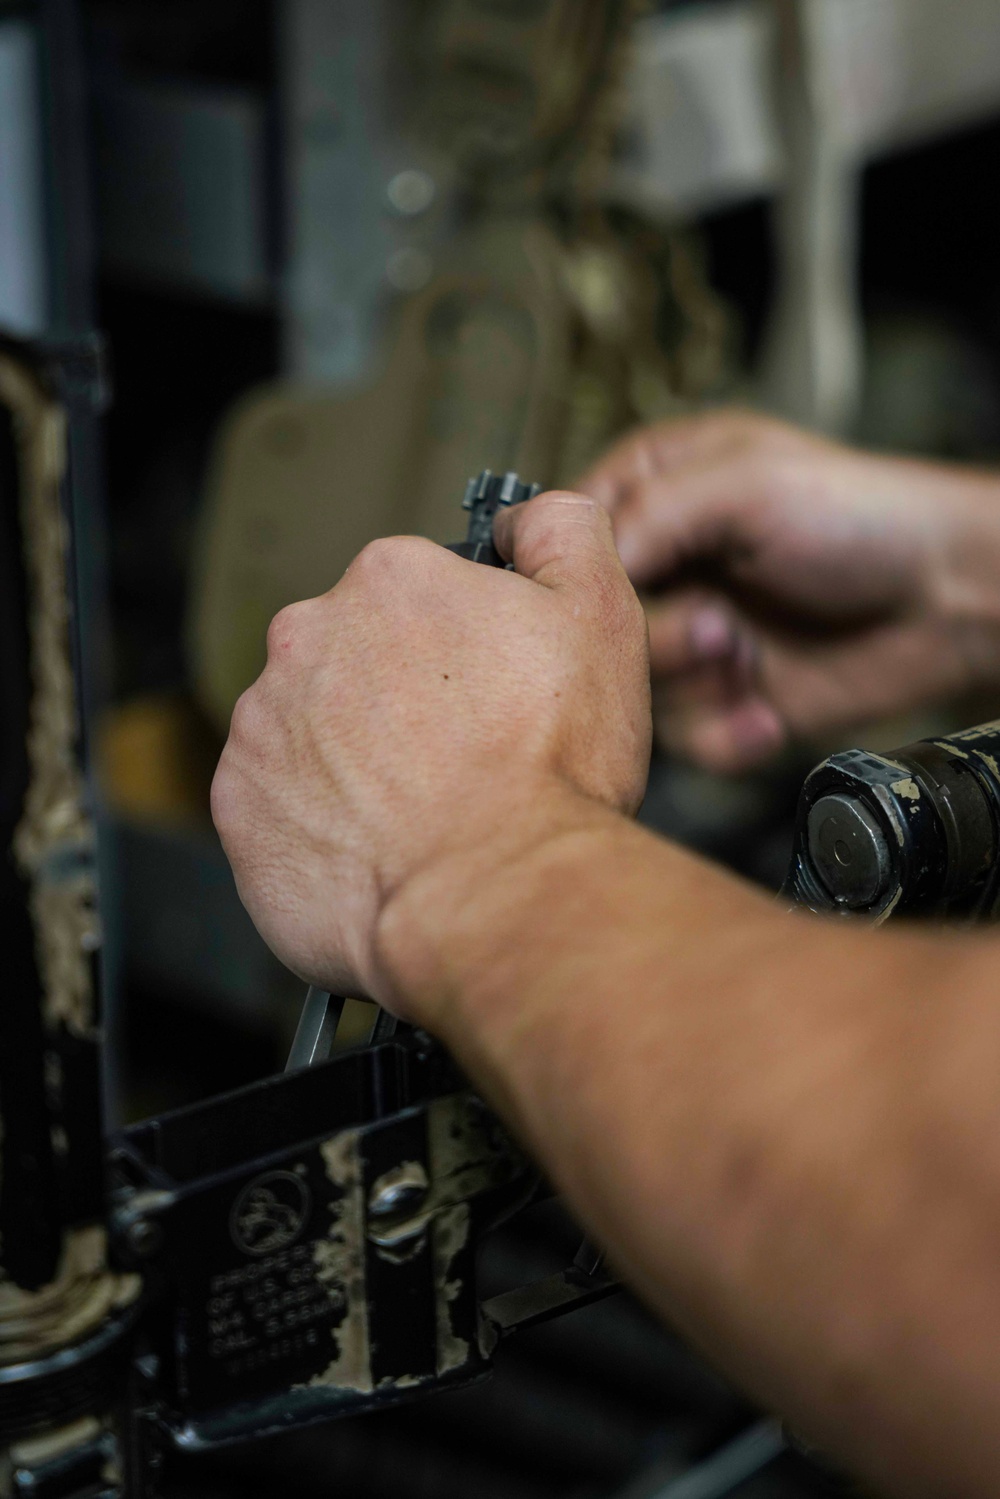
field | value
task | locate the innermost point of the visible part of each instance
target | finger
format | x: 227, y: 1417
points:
x: 710, y: 687
x: 558, y: 539
x: 725, y: 740
x: 651, y: 452
x: 625, y: 463
x: 718, y: 716
x: 712, y: 699
x: 701, y: 513
x: 696, y: 628
x: 825, y: 684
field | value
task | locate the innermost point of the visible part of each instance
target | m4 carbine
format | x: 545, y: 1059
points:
x: 301, y: 1248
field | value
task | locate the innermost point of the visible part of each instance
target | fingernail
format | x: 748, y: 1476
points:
x: 711, y: 634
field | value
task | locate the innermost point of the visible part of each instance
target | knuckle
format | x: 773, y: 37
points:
x: 221, y: 798
x: 374, y: 558
x: 246, y: 716
x: 761, y: 466
x: 740, y: 421
x: 765, y: 439
x: 774, y: 474
x: 285, y: 630
x: 389, y: 557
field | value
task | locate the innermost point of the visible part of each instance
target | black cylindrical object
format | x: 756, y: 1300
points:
x: 915, y: 831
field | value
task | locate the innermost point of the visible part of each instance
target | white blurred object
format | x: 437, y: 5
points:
x: 791, y: 98
x: 699, y: 129
x: 814, y: 353
x: 23, y: 291
x: 702, y: 125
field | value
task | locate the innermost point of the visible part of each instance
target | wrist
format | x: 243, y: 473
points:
x: 442, y: 929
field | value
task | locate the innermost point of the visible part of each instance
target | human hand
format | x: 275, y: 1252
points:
x: 424, y: 707
x: 802, y: 586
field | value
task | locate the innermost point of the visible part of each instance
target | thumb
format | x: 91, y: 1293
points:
x: 558, y: 539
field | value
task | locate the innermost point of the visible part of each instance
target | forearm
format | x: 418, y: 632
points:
x: 746, y: 1108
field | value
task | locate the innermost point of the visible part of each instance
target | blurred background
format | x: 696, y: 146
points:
x: 346, y: 253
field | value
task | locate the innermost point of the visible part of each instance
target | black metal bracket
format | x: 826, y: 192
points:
x: 309, y: 1243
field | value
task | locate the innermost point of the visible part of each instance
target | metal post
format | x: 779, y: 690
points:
x: 63, y: 1312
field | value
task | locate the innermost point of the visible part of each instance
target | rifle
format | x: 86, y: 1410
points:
x: 299, y: 1249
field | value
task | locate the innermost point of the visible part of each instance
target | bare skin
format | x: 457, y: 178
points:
x: 784, y: 1131
x: 834, y: 586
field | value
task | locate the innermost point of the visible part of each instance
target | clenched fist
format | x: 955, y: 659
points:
x: 428, y: 705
